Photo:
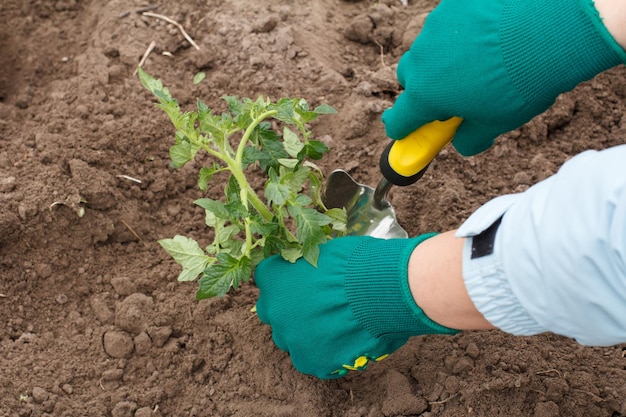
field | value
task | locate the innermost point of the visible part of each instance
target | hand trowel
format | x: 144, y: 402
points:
x: 402, y: 163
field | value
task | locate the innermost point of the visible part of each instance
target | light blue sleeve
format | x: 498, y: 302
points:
x: 561, y: 250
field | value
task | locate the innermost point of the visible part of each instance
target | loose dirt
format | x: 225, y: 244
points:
x: 95, y: 323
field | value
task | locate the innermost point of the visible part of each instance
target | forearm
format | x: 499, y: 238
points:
x: 613, y: 14
x: 436, y: 282
x: 556, y: 264
x: 435, y: 268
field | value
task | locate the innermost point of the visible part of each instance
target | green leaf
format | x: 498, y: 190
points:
x: 296, y: 180
x: 226, y: 236
x: 235, y: 106
x: 313, y: 149
x: 172, y: 110
x: 306, y: 116
x: 188, y: 254
x: 250, y: 156
x: 153, y: 85
x: 284, y: 110
x: 315, y: 184
x: 218, y: 128
x: 289, y: 163
x: 339, y: 219
x: 271, y: 148
x: 243, y: 120
x: 244, y: 111
x: 262, y: 228
x: 232, y: 191
x: 264, y: 133
x: 256, y: 256
x: 273, y: 245
x: 277, y: 193
x: 197, y: 79
x: 309, y: 231
x: 291, y: 254
x: 268, y: 156
x: 214, y: 206
x: 236, y: 209
x: 325, y: 109
x: 181, y: 153
x: 292, y: 142
x: 204, y: 111
x: 219, y: 277
x: 205, y: 174
x: 213, y: 283
x: 303, y: 200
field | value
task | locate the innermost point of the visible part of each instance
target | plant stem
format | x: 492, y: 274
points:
x: 248, y: 193
x: 234, y: 166
x: 246, y: 222
x: 248, y: 132
x: 238, y: 172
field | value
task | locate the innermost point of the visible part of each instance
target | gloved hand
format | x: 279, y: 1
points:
x: 497, y: 64
x: 354, y: 307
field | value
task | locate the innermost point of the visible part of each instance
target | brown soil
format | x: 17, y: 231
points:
x: 95, y: 323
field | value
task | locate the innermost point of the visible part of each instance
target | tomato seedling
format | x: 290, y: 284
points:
x: 287, y: 218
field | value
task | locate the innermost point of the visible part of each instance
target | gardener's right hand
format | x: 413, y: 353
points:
x: 353, y: 308
x: 497, y: 64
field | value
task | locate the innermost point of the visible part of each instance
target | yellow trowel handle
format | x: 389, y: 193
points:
x: 404, y: 161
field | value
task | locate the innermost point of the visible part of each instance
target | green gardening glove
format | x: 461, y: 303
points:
x: 497, y: 64
x: 353, y: 308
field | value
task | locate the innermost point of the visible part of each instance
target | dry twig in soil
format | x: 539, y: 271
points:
x: 175, y: 23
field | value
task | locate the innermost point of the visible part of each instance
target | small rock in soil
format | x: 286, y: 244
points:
x: 135, y: 313
x: 23, y: 101
x: 436, y: 392
x: 522, y: 178
x: 26, y: 338
x: 99, y: 306
x: 472, y: 350
x: 399, y: 398
x: 118, y: 344
x: 381, y: 13
x: 452, y: 385
x: 123, y: 285
x: 463, y: 365
x: 124, y: 409
x: 159, y: 335
x: 117, y: 74
x: 284, y: 38
x: 360, y: 29
x: 265, y: 24
x: 112, y: 375
x: 93, y: 184
x: 556, y: 388
x: 111, y: 52
x: 43, y: 270
x: 547, y: 409
x: 39, y: 395
x: 7, y: 184
x: 142, y: 343
x: 144, y: 412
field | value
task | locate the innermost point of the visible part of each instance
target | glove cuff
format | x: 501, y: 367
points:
x: 377, y: 288
x: 556, y: 45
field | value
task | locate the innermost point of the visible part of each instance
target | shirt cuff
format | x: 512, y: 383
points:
x: 491, y: 293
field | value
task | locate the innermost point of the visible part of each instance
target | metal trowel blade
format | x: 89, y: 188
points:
x: 366, y: 215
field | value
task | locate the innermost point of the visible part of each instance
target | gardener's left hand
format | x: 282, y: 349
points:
x: 353, y: 308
